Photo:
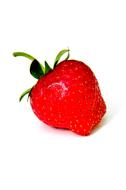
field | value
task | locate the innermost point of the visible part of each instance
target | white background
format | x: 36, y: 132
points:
x: 32, y: 155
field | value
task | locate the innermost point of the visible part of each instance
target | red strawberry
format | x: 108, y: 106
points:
x: 67, y: 96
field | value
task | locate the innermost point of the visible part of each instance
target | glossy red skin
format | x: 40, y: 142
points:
x: 69, y: 97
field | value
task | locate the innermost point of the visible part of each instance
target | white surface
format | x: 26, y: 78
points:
x: 36, y: 157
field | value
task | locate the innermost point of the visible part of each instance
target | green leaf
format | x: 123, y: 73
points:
x: 47, y: 68
x: 36, y: 69
x: 15, y: 54
x: 24, y: 93
x: 60, y: 54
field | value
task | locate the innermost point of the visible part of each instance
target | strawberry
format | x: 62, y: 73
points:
x: 67, y: 96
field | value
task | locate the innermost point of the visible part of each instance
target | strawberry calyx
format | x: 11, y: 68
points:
x: 37, y: 70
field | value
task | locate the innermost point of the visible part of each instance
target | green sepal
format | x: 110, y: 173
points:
x: 15, y: 54
x: 36, y: 69
x: 24, y: 93
x: 43, y: 68
x: 47, y: 68
x: 60, y: 54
